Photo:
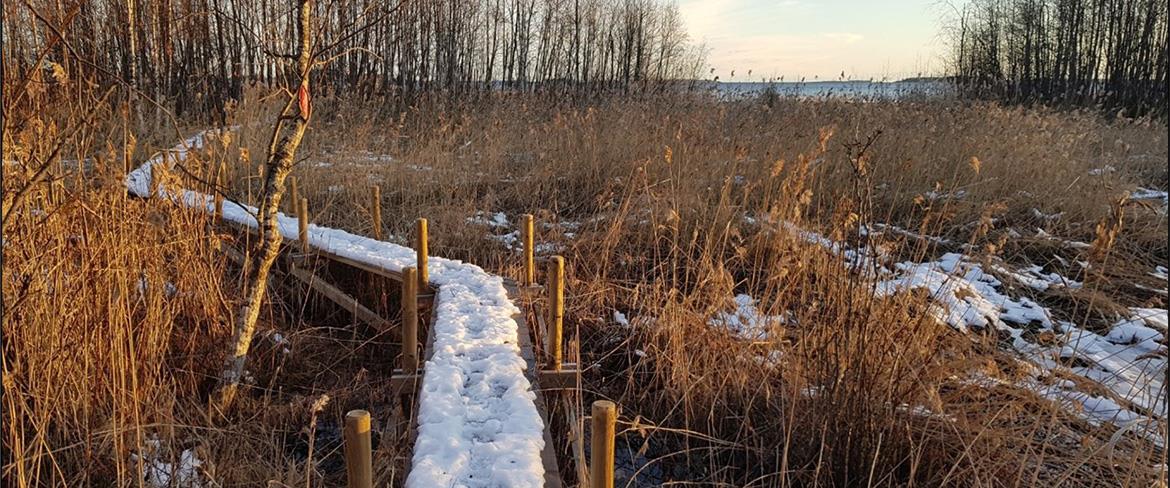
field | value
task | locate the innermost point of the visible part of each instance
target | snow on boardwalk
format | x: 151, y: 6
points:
x: 478, y: 421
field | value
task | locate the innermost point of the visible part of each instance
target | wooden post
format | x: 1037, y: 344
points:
x: 409, y: 321
x: 376, y: 212
x: 294, y: 195
x: 219, y: 190
x: 556, y: 310
x: 303, y: 224
x: 528, y: 231
x: 358, y: 459
x: 420, y: 248
x: 601, y: 455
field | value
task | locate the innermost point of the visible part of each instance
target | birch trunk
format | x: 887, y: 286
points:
x: 281, y: 154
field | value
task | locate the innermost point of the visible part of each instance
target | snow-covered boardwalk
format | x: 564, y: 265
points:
x: 478, y: 421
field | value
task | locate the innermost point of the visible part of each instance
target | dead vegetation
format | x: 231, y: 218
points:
x: 665, y: 209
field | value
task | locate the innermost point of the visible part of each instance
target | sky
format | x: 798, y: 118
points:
x: 891, y: 39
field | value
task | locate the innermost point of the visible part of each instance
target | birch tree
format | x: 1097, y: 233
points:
x: 286, y: 137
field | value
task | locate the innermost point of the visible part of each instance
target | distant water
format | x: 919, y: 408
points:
x: 843, y: 89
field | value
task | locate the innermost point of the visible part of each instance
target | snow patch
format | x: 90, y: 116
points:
x: 620, y: 318
x: 1130, y: 361
x: 496, y: 220
x: 159, y: 472
x: 747, y: 322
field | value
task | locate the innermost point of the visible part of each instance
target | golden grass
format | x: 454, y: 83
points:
x: 655, y: 192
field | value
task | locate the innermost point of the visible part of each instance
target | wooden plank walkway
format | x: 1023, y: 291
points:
x: 550, y: 388
x: 293, y: 252
x: 552, y: 472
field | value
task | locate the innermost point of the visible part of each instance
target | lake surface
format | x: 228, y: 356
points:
x: 843, y: 89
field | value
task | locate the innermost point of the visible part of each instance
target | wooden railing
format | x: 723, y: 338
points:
x: 555, y: 382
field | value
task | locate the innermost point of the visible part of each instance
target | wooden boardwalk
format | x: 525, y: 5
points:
x: 553, y: 389
x: 553, y: 383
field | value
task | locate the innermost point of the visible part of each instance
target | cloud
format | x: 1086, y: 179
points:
x: 843, y: 37
x: 703, y: 18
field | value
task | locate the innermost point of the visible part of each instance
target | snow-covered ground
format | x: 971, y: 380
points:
x: 1129, y: 360
x: 747, y: 321
x: 511, y: 241
x: 478, y: 423
x: 159, y: 470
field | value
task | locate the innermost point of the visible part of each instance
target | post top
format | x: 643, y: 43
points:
x: 358, y: 420
x: 604, y: 405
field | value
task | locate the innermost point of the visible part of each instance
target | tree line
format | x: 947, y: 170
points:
x: 194, y: 55
x: 1109, y: 54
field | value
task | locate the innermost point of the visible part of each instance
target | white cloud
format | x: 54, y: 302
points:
x: 703, y: 18
x: 843, y: 37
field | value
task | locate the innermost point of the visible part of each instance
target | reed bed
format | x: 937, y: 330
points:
x: 666, y: 208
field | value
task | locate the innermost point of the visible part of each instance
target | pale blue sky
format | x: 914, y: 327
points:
x: 794, y: 38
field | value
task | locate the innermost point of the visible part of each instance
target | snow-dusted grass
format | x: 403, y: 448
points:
x: 661, y: 242
x: 1129, y: 360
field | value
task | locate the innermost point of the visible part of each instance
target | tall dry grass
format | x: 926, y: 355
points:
x: 117, y: 312
x: 665, y: 208
x: 109, y: 309
x: 668, y: 202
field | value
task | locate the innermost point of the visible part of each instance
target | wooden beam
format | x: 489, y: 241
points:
x: 548, y: 457
x: 527, y: 232
x: 393, y: 275
x: 344, y: 300
x: 303, y: 224
x: 404, y: 383
x: 323, y: 287
x: 564, y: 379
x: 601, y: 464
x: 428, y: 352
x: 317, y: 252
x: 556, y: 311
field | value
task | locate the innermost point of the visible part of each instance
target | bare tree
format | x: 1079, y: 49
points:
x: 195, y: 55
x: 286, y: 137
x: 1110, y: 54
